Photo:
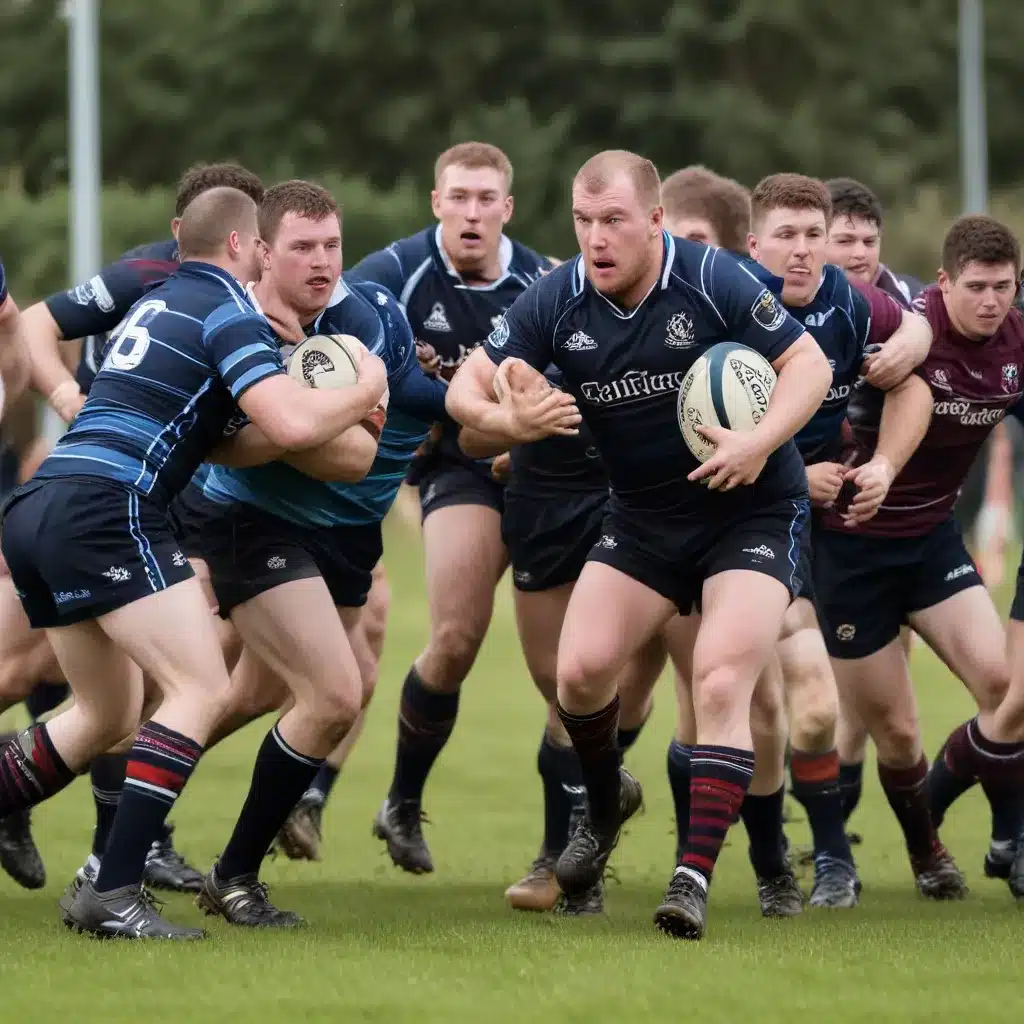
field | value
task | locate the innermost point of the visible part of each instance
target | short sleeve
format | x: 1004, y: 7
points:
x: 751, y: 313
x: 520, y: 332
x: 102, y: 302
x: 381, y: 267
x: 877, y: 315
x: 242, y: 348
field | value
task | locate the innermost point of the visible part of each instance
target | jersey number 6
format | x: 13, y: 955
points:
x: 132, y: 341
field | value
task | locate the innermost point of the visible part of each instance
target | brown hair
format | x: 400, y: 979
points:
x: 697, y: 191
x: 976, y: 238
x: 474, y: 155
x: 789, y: 192
x: 852, y: 198
x: 305, y: 198
x: 210, y: 218
x: 200, y: 177
x: 596, y: 174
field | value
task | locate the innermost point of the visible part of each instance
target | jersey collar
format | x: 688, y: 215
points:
x: 202, y: 269
x: 505, y: 254
x: 668, y: 261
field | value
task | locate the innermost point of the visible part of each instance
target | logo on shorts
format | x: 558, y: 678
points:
x: 438, y: 319
x: 761, y: 551
x: 276, y: 562
x: 382, y: 299
x: 66, y: 596
x: 608, y: 542
x: 179, y: 560
x: 680, y: 331
x: 768, y: 312
x: 580, y: 342
x: 118, y: 574
x: 847, y: 631
x: 522, y: 576
x: 961, y: 570
x: 1010, y: 376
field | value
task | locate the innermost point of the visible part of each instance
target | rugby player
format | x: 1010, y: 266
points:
x: 909, y: 563
x: 90, y: 311
x: 91, y: 552
x: 640, y: 307
x: 790, y: 222
x: 454, y: 281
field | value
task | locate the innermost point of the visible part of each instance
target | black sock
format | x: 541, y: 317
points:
x: 951, y: 773
x: 280, y: 777
x: 324, y: 782
x: 564, y: 792
x: 160, y: 763
x: 45, y: 697
x: 762, y: 818
x: 627, y: 737
x: 425, y: 721
x: 595, y: 739
x: 679, y: 783
x: 851, y: 783
x: 1000, y: 769
x: 31, y: 770
x: 107, y: 773
x: 906, y: 791
x: 815, y: 779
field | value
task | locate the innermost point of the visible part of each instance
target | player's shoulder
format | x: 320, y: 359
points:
x: 164, y: 251
x: 414, y: 251
x: 526, y: 262
x: 354, y: 309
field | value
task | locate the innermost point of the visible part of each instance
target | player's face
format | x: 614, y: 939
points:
x: 979, y: 299
x: 247, y: 251
x: 304, y: 261
x: 791, y: 244
x: 473, y: 205
x: 619, y: 238
x: 855, y: 244
x: 696, y: 229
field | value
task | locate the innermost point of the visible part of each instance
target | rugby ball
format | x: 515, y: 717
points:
x: 326, y: 361
x: 728, y: 386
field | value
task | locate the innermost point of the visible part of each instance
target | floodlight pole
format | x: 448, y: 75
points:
x: 973, y: 127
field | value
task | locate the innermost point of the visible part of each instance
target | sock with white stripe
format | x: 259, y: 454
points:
x: 279, y: 779
x: 160, y: 763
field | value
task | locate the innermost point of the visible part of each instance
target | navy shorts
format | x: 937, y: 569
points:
x: 78, y: 548
x: 250, y: 551
x: 868, y: 587
x: 190, y: 512
x: 1017, y: 608
x: 446, y: 483
x: 549, y: 538
x: 675, y: 556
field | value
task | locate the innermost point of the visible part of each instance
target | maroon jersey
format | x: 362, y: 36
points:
x: 973, y: 385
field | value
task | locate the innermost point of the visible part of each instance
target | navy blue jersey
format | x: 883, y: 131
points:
x: 372, y: 314
x: 3, y: 284
x: 625, y: 369
x: 92, y: 311
x: 555, y: 465
x: 168, y: 385
x: 845, y: 321
x: 445, y: 312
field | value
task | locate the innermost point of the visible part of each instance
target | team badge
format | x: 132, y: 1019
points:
x: 1010, y: 377
x: 768, y: 312
x: 499, y: 335
x: 941, y: 380
x: 680, y: 331
x: 94, y: 290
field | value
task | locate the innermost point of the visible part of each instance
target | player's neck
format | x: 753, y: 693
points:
x: 632, y: 298
x: 288, y: 322
x: 486, y: 272
x: 229, y: 266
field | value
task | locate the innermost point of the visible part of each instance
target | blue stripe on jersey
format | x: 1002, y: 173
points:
x: 250, y: 377
x: 225, y: 365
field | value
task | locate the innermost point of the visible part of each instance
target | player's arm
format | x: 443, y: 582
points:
x: 48, y: 374
x: 896, y: 340
x: 906, y: 414
x: 14, y: 363
x: 478, y: 445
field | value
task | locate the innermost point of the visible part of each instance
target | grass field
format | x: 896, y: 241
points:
x: 383, y: 946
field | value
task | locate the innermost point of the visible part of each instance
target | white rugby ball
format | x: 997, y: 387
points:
x: 326, y: 361
x: 729, y: 386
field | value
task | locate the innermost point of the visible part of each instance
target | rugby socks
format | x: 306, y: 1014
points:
x: 321, y: 786
x: 851, y: 783
x: 107, y: 773
x: 564, y: 792
x: 45, y: 697
x: 719, y: 780
x: 280, y: 777
x: 951, y: 774
x: 815, y: 782
x: 762, y: 818
x: 678, y: 764
x: 425, y: 722
x: 160, y: 763
x: 906, y: 789
x: 627, y: 737
x: 31, y: 770
x: 595, y: 738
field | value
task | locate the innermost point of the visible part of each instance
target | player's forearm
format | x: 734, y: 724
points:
x: 471, y: 401
x: 247, y: 447
x: 43, y: 343
x: 802, y: 386
x: 906, y: 413
x: 330, y: 413
x: 344, y: 459
x: 478, y: 445
x: 14, y: 362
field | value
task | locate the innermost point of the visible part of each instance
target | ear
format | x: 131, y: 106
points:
x: 944, y: 280
x: 175, y: 221
x: 509, y: 206
x: 752, y: 247
x: 658, y: 219
x: 234, y: 243
x: 264, y: 254
x: 435, y: 203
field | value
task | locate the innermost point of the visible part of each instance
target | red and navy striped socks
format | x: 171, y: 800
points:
x: 31, y: 770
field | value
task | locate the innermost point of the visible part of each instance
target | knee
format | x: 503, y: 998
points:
x: 991, y: 686
x: 369, y: 674
x: 453, y: 649
x: 896, y: 735
x: 813, y: 711
x: 115, y: 726
x: 720, y: 693
x: 335, y: 710
x: 581, y: 671
x: 767, y: 715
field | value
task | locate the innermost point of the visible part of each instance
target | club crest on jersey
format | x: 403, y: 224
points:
x: 680, y: 331
x: 382, y: 299
x: 941, y: 379
x: 1010, y: 377
x: 94, y: 290
x: 580, y: 342
x: 768, y: 312
x: 499, y: 335
x: 438, y: 319
x: 818, y: 319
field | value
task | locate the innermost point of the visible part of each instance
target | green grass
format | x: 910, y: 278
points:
x: 383, y: 946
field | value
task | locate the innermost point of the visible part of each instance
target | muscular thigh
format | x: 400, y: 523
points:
x: 539, y: 618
